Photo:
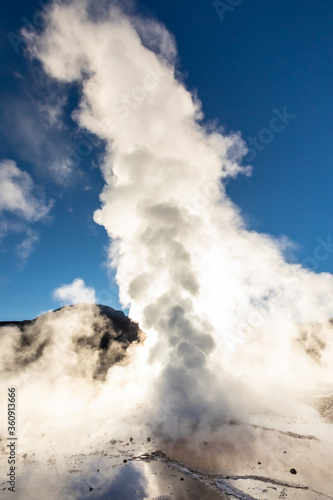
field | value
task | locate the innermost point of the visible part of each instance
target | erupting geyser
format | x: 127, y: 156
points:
x: 195, y: 278
x: 232, y: 328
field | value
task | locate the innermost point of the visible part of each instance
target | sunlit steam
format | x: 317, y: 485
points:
x: 231, y: 326
x: 219, y: 300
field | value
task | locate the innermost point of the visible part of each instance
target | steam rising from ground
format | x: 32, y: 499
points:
x: 227, y: 319
x: 71, y: 376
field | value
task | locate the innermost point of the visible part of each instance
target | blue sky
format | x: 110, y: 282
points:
x: 249, y: 64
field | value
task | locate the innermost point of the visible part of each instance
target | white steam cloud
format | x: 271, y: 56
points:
x: 222, y: 308
x: 74, y: 293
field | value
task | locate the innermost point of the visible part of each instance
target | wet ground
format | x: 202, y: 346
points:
x: 324, y: 405
x: 118, y: 475
x: 271, y: 458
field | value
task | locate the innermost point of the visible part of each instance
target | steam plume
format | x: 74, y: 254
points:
x: 222, y: 308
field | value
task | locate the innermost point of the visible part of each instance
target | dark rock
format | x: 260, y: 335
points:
x: 112, y: 333
x: 158, y: 453
x: 293, y: 471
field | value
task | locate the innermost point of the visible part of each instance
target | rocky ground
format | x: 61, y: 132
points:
x: 280, y: 464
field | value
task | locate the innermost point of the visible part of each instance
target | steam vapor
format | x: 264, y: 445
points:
x: 228, y: 321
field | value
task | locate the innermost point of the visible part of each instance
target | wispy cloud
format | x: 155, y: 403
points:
x: 21, y: 205
x: 18, y: 193
x: 27, y: 245
x: 33, y: 125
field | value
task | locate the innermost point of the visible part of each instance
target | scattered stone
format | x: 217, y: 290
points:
x: 293, y: 471
x: 124, y: 460
x: 158, y: 453
x: 91, y: 488
x: 259, y: 463
x: 148, y: 440
x: 131, y: 439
